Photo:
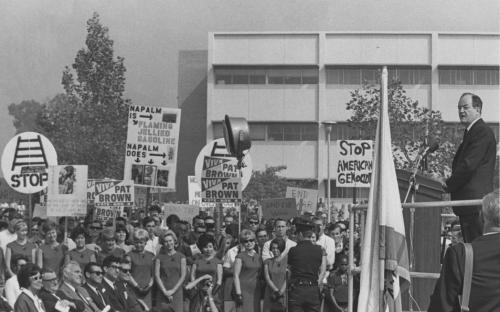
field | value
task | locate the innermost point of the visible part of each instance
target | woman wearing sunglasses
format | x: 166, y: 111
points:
x: 247, y: 275
x: 30, y: 282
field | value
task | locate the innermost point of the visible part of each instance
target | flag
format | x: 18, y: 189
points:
x: 384, y: 254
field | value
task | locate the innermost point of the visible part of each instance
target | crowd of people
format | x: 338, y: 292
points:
x: 153, y: 261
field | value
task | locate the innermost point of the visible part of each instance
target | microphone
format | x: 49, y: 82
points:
x: 430, y: 149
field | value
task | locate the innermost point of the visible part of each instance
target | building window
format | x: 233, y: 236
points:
x: 271, y: 76
x: 483, y: 76
x: 355, y: 75
x: 276, y: 131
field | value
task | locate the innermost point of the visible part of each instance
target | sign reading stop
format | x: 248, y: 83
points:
x: 25, y: 162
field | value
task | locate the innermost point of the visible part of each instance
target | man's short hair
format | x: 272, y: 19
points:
x: 491, y: 208
x: 147, y: 220
x: 110, y: 259
x: 173, y: 218
x: 67, y: 266
x: 476, y: 100
x: 278, y: 220
x: 88, y: 267
x: 155, y: 208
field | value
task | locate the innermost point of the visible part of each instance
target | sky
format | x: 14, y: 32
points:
x: 38, y: 38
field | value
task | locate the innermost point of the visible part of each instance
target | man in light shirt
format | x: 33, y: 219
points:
x: 280, y: 229
x: 325, y: 241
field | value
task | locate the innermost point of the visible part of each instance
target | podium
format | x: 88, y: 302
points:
x: 425, y: 239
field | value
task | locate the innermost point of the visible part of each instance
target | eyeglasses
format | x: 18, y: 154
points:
x: 248, y: 241
x: 253, y: 222
x: 98, y: 273
x: 126, y: 270
x: 36, y: 277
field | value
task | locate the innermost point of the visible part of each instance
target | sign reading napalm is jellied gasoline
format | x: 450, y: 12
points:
x: 152, y: 141
x: 353, y: 163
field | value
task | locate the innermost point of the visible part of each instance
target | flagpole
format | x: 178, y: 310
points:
x: 383, y: 107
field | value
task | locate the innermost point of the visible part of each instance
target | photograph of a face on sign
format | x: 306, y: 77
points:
x: 67, y: 178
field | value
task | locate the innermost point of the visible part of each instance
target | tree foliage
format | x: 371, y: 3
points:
x: 266, y: 184
x: 88, y: 124
x: 26, y: 115
x: 411, y: 125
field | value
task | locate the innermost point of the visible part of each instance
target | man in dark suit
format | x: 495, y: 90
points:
x: 48, y: 293
x: 473, y: 165
x: 485, y: 286
x: 113, y: 292
x: 93, y: 277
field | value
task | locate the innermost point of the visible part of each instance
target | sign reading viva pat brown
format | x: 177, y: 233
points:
x: 353, y: 163
x: 25, y: 162
x: 67, y: 191
x: 151, y: 150
x: 220, y: 178
x: 111, y: 197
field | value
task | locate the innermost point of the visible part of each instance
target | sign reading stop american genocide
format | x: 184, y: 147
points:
x: 25, y: 162
x: 111, y: 197
x: 152, y: 143
x: 353, y: 163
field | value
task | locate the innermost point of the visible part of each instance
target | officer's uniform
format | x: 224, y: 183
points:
x: 304, y: 261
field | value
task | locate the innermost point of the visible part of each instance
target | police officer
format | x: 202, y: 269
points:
x: 307, y: 265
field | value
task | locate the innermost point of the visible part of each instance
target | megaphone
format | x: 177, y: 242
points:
x: 236, y: 136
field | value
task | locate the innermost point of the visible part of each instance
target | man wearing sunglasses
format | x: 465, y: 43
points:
x: 253, y: 223
x: 128, y: 283
x: 93, y: 276
x: 113, y: 291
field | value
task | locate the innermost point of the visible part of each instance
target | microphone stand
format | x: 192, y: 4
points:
x: 412, y: 187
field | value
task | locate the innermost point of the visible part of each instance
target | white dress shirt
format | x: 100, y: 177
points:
x: 12, y: 290
x: 328, y: 245
x: 267, y: 254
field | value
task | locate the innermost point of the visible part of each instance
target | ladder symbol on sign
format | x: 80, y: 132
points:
x: 29, y: 152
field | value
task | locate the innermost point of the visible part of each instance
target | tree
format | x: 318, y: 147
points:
x: 88, y: 124
x: 411, y: 124
x: 266, y: 184
x: 26, y: 116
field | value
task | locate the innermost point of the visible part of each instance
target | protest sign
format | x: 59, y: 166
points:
x: 220, y: 178
x: 40, y: 211
x: 183, y: 211
x: 353, y: 163
x: 306, y: 199
x: 25, y: 162
x: 284, y: 208
x: 67, y: 191
x: 151, y: 149
x: 194, y: 191
x: 111, y: 197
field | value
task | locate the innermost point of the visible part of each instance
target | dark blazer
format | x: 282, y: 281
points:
x: 485, y: 288
x: 95, y: 296
x: 24, y: 304
x: 49, y: 300
x: 67, y: 293
x: 115, y: 297
x: 473, y: 167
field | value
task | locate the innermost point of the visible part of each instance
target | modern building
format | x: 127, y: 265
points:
x: 287, y: 84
